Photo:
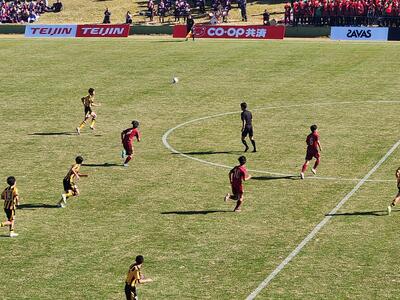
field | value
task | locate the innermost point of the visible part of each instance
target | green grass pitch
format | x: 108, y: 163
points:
x: 170, y: 208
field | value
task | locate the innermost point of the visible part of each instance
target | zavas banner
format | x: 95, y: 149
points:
x: 359, y: 33
x: 72, y: 31
x: 232, y: 32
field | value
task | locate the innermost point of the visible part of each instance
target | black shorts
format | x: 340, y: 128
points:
x: 10, y: 213
x: 69, y: 186
x: 88, y: 110
x: 130, y: 292
x: 248, y: 130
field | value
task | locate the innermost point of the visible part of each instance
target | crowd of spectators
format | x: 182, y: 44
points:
x: 220, y: 10
x: 343, y: 12
x: 22, y: 11
x: 181, y: 9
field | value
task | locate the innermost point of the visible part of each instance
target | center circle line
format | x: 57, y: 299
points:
x: 172, y: 149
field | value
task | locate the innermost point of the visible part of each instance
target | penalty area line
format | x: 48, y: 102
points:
x: 319, y: 226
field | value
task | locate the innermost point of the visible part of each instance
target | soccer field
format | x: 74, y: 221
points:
x: 170, y: 207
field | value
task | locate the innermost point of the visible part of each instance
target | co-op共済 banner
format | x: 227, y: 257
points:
x: 232, y: 32
x: 72, y: 31
x: 359, y: 33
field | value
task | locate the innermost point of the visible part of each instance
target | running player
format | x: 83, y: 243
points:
x: 189, y: 28
x: 70, y: 180
x: 236, y: 177
x: 134, y: 277
x: 397, y: 198
x: 313, y: 144
x: 11, y: 201
x: 247, y: 127
x: 127, y: 137
x: 88, y: 102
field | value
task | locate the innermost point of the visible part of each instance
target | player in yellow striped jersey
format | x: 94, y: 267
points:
x: 11, y: 201
x: 88, y: 103
x: 70, y: 180
x: 134, y: 277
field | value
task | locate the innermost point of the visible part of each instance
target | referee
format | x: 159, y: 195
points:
x: 247, y: 127
x: 189, y: 27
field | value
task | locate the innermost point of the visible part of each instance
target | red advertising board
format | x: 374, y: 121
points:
x: 103, y: 30
x: 232, y: 32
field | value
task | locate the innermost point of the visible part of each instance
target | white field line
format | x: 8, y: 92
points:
x: 320, y: 225
x: 168, y: 146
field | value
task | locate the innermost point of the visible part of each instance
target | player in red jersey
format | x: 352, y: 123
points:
x: 313, y: 148
x: 127, y: 137
x: 236, y: 177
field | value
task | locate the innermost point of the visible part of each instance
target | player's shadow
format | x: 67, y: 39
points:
x: 5, y: 236
x: 53, y: 133
x: 210, y: 152
x: 36, y: 205
x: 194, y: 212
x: 291, y: 177
x: 373, y: 213
x: 167, y: 41
x: 103, y: 165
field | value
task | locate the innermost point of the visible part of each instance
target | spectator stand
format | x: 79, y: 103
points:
x: 210, y: 11
x: 22, y: 11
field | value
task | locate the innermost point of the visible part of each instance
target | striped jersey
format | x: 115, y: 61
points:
x: 70, y: 175
x: 9, y: 196
x: 88, y: 100
x: 134, y: 275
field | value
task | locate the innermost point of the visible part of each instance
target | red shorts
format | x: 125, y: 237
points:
x: 237, y: 190
x: 312, y: 153
x: 128, y: 148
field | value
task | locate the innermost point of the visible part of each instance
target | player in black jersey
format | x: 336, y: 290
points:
x: 247, y: 127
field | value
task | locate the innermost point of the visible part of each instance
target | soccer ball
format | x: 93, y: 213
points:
x: 175, y: 80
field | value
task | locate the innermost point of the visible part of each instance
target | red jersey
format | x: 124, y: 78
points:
x: 239, y: 173
x: 296, y: 7
x: 312, y: 141
x: 129, y: 134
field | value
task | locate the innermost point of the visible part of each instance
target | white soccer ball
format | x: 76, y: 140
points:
x: 175, y: 80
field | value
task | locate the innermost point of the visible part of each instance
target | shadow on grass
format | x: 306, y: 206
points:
x: 291, y: 177
x: 105, y: 165
x: 36, y: 205
x: 374, y: 213
x: 5, y: 236
x: 168, y: 41
x: 194, y: 212
x: 210, y: 152
x: 54, y: 133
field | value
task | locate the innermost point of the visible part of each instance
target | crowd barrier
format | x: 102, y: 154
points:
x: 72, y: 30
x: 99, y: 30
x: 300, y: 31
x: 365, y: 33
x: 232, y: 31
